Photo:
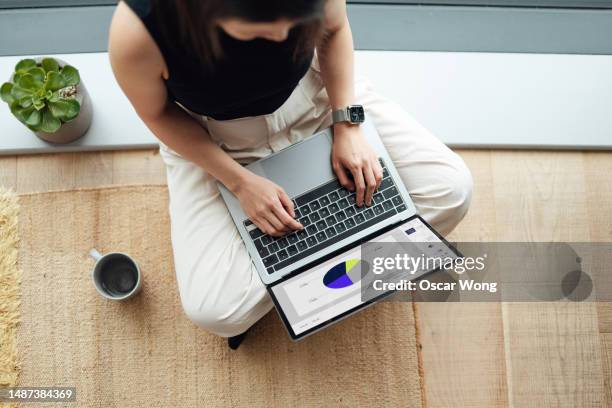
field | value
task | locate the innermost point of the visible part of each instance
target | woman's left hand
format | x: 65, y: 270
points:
x: 352, y: 155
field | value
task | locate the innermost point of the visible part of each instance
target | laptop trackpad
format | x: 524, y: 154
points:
x: 300, y: 167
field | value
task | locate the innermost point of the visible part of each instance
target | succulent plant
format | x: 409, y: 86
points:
x: 42, y: 95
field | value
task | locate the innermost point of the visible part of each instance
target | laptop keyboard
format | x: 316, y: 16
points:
x: 329, y: 214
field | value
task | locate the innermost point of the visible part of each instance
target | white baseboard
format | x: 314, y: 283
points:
x: 484, y: 100
x: 493, y: 100
x: 115, y: 124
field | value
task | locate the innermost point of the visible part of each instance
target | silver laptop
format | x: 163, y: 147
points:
x: 328, y: 211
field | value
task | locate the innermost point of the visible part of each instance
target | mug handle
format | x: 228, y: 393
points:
x: 95, y: 254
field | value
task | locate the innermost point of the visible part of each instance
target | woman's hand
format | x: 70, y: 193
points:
x: 352, y: 155
x: 267, y: 205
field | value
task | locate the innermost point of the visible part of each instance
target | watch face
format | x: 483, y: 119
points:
x: 356, y: 114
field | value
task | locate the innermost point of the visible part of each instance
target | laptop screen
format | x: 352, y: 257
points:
x: 321, y: 295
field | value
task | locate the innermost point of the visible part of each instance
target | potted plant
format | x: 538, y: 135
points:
x: 47, y: 95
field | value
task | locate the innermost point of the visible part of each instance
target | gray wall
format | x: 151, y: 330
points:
x: 376, y: 25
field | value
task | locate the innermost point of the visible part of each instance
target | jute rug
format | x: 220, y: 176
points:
x: 145, y: 353
x: 9, y: 287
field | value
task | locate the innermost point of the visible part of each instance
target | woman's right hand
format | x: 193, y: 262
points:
x: 267, y: 205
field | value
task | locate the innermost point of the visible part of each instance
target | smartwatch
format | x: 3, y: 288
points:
x: 353, y: 114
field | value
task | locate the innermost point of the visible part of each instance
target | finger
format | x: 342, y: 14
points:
x: 370, y: 180
x: 264, y: 226
x: 286, y: 219
x: 343, y: 178
x: 378, y: 173
x: 279, y: 227
x: 359, y: 185
x: 287, y: 203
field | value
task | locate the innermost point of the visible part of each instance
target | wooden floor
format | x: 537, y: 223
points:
x: 475, y: 354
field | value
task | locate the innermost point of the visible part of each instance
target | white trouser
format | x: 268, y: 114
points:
x: 219, y: 287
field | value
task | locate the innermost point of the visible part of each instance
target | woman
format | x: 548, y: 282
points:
x: 224, y: 82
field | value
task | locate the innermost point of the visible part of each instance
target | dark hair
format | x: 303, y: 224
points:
x: 196, y: 21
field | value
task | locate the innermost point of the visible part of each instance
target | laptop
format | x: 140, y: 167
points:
x: 333, y: 224
x: 343, y: 283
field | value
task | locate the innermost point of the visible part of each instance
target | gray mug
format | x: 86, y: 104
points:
x: 115, y: 275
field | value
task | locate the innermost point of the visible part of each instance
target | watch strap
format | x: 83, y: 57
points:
x: 340, y: 115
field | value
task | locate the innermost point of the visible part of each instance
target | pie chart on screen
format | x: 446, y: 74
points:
x: 342, y: 275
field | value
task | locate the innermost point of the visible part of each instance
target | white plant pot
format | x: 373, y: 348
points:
x: 77, y: 127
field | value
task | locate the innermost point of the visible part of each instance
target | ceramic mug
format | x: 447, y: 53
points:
x: 115, y: 275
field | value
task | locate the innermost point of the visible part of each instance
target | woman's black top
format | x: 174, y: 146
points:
x: 251, y: 78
